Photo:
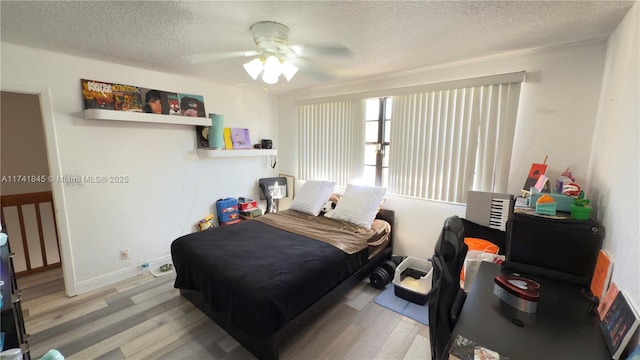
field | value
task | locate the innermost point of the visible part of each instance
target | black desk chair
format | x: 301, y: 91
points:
x: 446, y: 297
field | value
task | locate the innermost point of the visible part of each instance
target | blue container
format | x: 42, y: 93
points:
x: 227, y: 210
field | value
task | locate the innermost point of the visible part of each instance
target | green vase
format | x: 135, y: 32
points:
x: 580, y: 212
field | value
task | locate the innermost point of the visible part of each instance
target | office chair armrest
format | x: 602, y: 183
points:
x: 458, y: 302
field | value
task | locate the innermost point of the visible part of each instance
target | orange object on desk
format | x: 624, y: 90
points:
x: 479, y: 245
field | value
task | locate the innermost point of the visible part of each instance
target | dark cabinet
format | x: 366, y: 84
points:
x: 564, y: 249
x: 12, y: 322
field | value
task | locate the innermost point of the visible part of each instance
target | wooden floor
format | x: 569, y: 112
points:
x: 146, y: 318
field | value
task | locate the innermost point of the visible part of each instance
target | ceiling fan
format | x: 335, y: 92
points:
x: 274, y: 56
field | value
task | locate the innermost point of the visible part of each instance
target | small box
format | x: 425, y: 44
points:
x: 546, y: 208
x: 246, y: 206
x: 563, y: 202
x: 227, y: 210
x: 251, y: 213
x: 412, y: 280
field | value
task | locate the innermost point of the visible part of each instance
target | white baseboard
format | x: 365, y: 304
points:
x: 119, y: 275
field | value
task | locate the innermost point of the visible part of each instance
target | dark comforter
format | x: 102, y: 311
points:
x: 261, y: 276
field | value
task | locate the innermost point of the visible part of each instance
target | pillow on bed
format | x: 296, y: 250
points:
x: 311, y: 196
x: 359, y: 204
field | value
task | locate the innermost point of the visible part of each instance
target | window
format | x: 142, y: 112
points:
x: 447, y: 142
x: 377, y: 132
x: 448, y: 138
x: 330, y: 141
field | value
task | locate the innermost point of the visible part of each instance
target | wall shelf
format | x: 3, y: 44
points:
x: 100, y: 114
x: 236, y: 153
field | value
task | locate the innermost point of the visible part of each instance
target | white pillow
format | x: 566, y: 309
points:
x: 311, y: 196
x: 359, y: 204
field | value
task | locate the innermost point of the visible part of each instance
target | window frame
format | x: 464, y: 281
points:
x: 382, y: 146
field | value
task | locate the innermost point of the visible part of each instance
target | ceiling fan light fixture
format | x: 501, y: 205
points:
x: 269, y: 78
x: 273, y: 54
x: 254, y: 67
x: 288, y: 70
x: 272, y: 70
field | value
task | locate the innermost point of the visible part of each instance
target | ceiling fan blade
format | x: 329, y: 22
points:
x: 337, y: 50
x: 203, y: 58
x: 308, y: 67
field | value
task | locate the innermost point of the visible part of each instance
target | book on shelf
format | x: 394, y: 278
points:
x: 619, y: 324
x: 171, y: 99
x: 607, y: 299
x: 127, y: 98
x: 240, y: 138
x: 601, y: 274
x: 202, y: 136
x: 153, y: 102
x: 191, y: 105
x: 226, y: 135
x: 97, y: 94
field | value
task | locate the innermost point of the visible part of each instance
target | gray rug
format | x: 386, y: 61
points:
x: 388, y: 299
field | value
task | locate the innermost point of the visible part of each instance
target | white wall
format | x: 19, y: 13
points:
x: 170, y: 188
x: 614, y: 174
x: 556, y: 117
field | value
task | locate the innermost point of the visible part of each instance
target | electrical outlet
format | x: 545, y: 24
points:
x: 124, y: 254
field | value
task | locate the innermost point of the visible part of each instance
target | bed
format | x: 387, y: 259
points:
x: 263, y: 279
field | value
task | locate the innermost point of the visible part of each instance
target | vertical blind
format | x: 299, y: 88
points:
x: 447, y: 142
x: 331, y: 141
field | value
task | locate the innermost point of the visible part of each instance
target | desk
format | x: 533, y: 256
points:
x: 563, y: 327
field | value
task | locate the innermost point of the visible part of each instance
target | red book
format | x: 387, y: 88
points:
x: 601, y: 274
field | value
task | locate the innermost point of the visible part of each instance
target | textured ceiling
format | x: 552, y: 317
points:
x: 206, y: 38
